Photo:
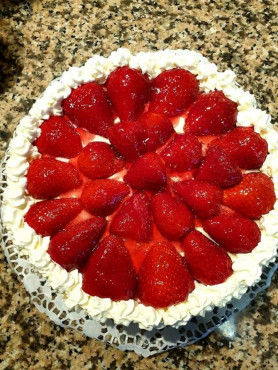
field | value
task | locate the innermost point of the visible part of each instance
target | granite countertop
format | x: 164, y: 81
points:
x: 41, y: 38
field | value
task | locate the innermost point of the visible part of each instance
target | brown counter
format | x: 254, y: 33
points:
x: 41, y: 39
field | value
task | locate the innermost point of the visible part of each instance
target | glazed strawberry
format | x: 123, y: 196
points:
x: 182, y: 153
x: 71, y: 247
x: 48, y: 177
x: 208, y: 263
x: 58, y: 138
x: 245, y: 146
x: 219, y: 169
x: 98, y: 160
x: 88, y: 107
x: 173, y: 91
x: 147, y: 172
x: 253, y: 197
x: 128, y: 90
x: 157, y: 130
x: 211, y: 114
x: 172, y: 217
x: 163, y: 278
x: 133, y: 219
x: 234, y: 233
x: 128, y: 139
x: 109, y: 272
x: 133, y: 139
x: 103, y: 197
x: 50, y: 216
x: 204, y: 198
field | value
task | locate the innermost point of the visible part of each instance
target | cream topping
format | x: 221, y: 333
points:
x: 247, y: 268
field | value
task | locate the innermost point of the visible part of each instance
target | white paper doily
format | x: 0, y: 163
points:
x: 143, y: 342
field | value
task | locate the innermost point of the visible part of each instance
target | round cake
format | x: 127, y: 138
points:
x: 143, y: 187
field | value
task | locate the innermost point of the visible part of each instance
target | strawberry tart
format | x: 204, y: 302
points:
x: 143, y: 187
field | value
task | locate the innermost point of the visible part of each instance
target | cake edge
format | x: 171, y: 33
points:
x: 247, y: 268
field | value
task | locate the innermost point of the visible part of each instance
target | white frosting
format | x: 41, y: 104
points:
x: 247, y: 268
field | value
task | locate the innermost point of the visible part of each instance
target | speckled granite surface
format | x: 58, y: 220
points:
x: 41, y: 38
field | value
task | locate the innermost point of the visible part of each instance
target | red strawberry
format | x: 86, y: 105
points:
x: 247, y: 148
x: 109, y: 273
x: 157, y: 130
x: 128, y: 90
x: 50, y: 216
x: 47, y: 178
x: 183, y: 152
x: 163, y: 278
x: 173, y: 91
x: 103, y: 197
x: 253, y: 197
x: 211, y: 114
x: 58, y: 138
x: 208, y: 263
x: 147, y: 172
x: 98, y: 160
x: 128, y: 138
x: 172, y: 217
x: 219, y: 169
x: 133, y: 139
x: 71, y: 247
x: 233, y: 232
x: 88, y: 107
x: 133, y: 219
x: 204, y: 198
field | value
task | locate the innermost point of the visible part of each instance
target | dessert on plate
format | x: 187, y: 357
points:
x: 143, y: 187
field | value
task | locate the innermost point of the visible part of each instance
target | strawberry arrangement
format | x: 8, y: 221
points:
x: 123, y: 209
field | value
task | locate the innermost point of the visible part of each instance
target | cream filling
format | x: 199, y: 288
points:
x: 247, y: 267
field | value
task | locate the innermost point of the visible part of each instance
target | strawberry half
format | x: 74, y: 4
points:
x: 133, y: 139
x: 247, y: 148
x: 204, y: 198
x: 157, y: 130
x: 208, y: 263
x: 50, y: 216
x: 219, y: 169
x: 234, y: 233
x: 128, y: 139
x: 109, y: 272
x: 71, y: 247
x: 173, y: 91
x: 253, y: 197
x: 103, y: 197
x: 98, y: 160
x: 163, y: 278
x: 128, y: 90
x: 133, y: 219
x: 147, y: 172
x: 47, y: 178
x: 211, y: 114
x: 58, y: 138
x: 182, y: 153
x: 88, y: 107
x: 172, y: 217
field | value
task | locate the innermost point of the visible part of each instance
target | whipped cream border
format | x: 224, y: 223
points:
x: 16, y: 202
